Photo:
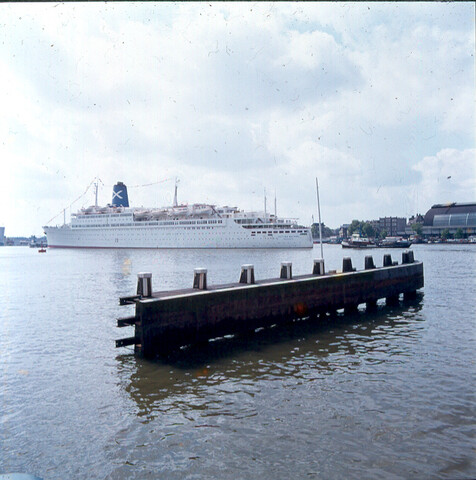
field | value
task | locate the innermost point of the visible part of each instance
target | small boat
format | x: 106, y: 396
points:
x: 356, y: 241
x: 394, y: 242
x: 42, y: 250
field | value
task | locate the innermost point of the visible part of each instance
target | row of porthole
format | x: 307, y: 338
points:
x: 280, y: 231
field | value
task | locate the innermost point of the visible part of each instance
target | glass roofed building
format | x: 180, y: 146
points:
x: 451, y: 216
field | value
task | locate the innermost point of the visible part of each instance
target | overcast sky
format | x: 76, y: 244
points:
x: 377, y: 100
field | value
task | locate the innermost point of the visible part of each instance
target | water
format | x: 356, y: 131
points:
x: 385, y: 395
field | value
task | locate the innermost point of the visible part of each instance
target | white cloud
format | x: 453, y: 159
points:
x: 235, y: 98
x: 448, y: 176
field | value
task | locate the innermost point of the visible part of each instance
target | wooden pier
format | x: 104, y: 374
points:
x: 165, y: 321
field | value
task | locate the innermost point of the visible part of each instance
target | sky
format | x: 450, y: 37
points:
x: 236, y: 99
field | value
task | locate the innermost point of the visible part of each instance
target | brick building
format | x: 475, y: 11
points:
x: 392, y: 225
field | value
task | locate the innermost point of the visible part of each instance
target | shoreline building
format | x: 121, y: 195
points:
x: 451, y: 216
x: 394, y: 226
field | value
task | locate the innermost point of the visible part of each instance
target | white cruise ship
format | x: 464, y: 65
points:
x: 179, y: 226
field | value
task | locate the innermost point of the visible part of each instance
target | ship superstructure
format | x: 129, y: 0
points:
x: 196, y: 225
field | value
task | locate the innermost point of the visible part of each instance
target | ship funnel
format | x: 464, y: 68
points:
x: 119, y: 195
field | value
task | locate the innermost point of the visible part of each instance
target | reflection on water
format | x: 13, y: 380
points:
x: 248, y: 397
x: 389, y: 394
x: 302, y: 349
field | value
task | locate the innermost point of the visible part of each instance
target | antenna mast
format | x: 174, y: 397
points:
x: 320, y: 224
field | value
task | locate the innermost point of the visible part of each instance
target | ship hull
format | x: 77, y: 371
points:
x: 228, y: 235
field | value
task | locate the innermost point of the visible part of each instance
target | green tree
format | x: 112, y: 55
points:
x: 417, y: 228
x: 355, y: 227
x: 326, y: 231
x: 445, y: 234
x: 383, y: 234
x: 368, y: 230
x: 459, y: 233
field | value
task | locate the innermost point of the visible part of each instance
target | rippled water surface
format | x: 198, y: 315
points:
x: 382, y: 395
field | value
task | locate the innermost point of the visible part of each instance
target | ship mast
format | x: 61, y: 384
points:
x: 265, y: 219
x: 175, y: 204
x: 96, y: 194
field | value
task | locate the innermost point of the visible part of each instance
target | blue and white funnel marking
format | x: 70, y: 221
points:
x: 119, y: 195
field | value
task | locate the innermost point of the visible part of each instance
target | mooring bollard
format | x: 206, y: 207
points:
x: 144, y: 284
x: 318, y: 268
x: 200, y: 278
x: 347, y: 265
x: 369, y: 262
x: 407, y: 257
x: 286, y: 270
x: 387, y: 260
x: 247, y: 274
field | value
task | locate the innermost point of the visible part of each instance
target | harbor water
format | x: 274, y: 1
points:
x: 388, y: 394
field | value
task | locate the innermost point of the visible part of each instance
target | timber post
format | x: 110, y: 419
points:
x: 247, y: 274
x: 200, y: 278
x: 286, y: 270
x: 144, y: 284
x: 369, y: 262
x: 347, y: 265
x: 318, y: 268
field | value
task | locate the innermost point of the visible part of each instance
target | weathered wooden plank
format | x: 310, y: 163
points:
x: 124, y: 342
x: 126, y: 321
x: 129, y: 300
